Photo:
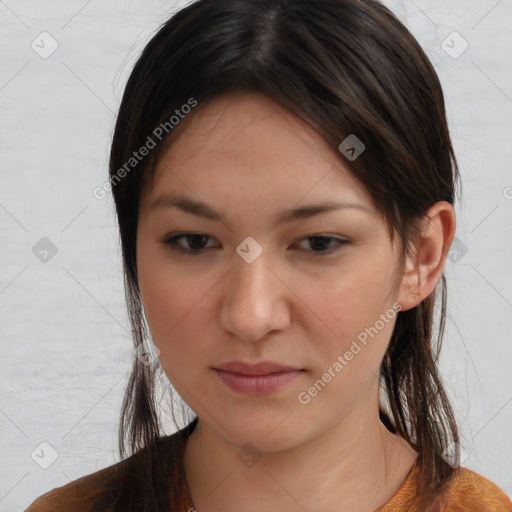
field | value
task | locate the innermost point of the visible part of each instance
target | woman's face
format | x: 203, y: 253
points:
x: 259, y: 283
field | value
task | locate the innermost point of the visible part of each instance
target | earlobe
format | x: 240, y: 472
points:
x: 424, y: 267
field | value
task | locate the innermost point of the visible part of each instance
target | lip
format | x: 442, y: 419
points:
x: 257, y: 369
x: 256, y: 379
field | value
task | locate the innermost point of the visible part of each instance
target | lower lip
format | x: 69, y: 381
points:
x: 256, y: 384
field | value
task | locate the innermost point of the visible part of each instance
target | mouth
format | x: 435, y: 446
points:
x: 257, y: 369
x: 256, y: 379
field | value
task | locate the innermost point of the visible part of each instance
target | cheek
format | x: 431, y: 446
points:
x: 347, y: 317
x: 174, y: 305
x: 160, y: 292
x: 345, y: 300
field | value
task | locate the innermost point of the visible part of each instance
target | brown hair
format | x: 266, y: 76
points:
x: 345, y: 67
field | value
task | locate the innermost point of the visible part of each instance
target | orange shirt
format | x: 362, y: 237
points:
x: 468, y: 492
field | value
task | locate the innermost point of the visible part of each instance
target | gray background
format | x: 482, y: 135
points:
x: 65, y: 340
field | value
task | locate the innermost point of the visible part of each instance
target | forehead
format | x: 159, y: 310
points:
x: 238, y: 122
x: 246, y: 143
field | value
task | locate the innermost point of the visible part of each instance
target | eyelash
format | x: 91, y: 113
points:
x: 173, y: 244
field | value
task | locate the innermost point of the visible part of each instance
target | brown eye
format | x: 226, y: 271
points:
x: 195, y: 243
x: 320, y: 244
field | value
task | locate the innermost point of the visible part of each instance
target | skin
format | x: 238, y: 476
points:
x: 250, y: 159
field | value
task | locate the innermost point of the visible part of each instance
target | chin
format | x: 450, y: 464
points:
x: 266, y: 431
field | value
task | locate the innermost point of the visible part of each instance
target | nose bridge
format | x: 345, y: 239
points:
x: 253, y: 302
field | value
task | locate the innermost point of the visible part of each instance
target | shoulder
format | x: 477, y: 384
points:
x: 467, y: 491
x: 79, y: 495
x: 470, y: 492
x: 97, y: 491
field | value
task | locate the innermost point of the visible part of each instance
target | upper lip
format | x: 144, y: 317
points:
x: 262, y: 368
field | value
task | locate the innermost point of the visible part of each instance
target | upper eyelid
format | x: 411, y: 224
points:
x: 340, y: 239
x: 198, y: 233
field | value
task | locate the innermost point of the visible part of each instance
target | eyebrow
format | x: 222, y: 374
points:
x: 204, y: 210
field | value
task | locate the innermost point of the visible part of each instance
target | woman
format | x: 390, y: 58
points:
x: 284, y: 182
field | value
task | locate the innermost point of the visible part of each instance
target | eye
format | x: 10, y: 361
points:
x: 321, y: 242
x: 195, y: 243
x: 194, y: 248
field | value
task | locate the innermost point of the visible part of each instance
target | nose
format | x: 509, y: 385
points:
x: 254, y: 301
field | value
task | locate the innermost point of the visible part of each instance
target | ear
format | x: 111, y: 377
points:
x: 425, y: 267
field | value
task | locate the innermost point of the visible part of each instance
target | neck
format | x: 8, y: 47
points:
x: 357, y: 465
